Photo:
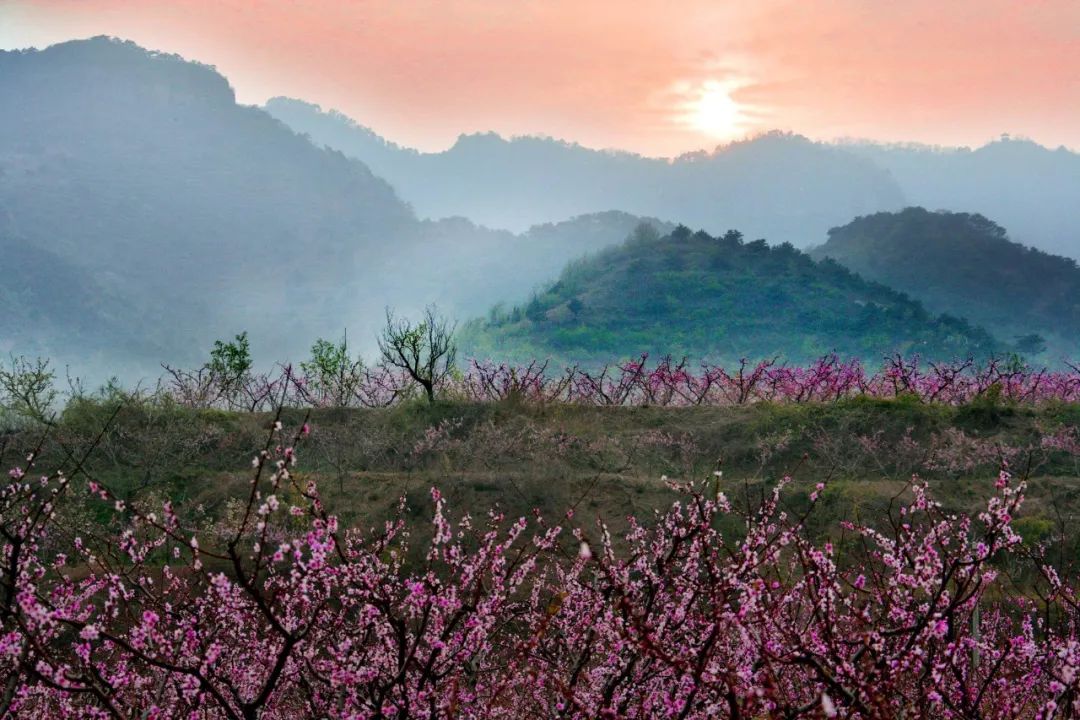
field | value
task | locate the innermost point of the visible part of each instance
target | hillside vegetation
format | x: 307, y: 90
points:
x: 1028, y: 188
x: 608, y: 461
x: 717, y: 298
x: 966, y: 264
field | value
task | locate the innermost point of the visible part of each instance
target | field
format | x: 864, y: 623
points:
x: 503, y: 551
x: 607, y: 461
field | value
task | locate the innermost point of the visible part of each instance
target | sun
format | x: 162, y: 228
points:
x: 713, y: 112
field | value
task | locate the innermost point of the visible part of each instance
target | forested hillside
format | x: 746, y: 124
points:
x: 716, y: 298
x: 1028, y: 188
x: 966, y: 264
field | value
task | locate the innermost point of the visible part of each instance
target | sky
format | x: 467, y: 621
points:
x: 655, y: 77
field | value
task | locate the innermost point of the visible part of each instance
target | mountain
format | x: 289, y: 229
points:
x: 965, y: 264
x: 132, y: 180
x: 780, y: 186
x: 46, y: 318
x: 1028, y: 188
x: 145, y: 213
x: 717, y: 298
x: 141, y: 171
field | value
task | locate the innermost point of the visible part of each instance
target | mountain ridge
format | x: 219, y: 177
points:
x: 1026, y: 186
x: 523, y: 181
x: 204, y: 218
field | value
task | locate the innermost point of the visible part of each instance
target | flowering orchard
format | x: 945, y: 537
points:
x: 925, y: 613
x: 640, y: 382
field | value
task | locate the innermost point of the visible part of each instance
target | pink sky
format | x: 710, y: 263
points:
x: 624, y: 73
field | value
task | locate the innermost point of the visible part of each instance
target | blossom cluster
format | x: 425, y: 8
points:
x: 643, y: 382
x: 670, y: 383
x: 927, y: 612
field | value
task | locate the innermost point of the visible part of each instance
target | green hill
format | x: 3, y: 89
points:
x: 717, y: 298
x: 966, y: 264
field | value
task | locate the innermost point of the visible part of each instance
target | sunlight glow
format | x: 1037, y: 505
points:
x: 711, y: 111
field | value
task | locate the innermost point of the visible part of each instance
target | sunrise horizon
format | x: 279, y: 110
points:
x: 649, y: 82
x: 749, y: 135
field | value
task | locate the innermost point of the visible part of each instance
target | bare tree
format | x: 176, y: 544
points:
x: 27, y: 390
x: 426, y: 350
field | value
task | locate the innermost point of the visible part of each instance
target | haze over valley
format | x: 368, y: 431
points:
x: 180, y: 216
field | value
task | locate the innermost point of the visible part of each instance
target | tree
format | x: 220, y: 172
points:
x: 26, y: 389
x: 426, y: 350
x: 575, y: 306
x: 333, y: 374
x: 733, y: 238
x: 231, y: 361
x: 926, y: 613
x: 222, y: 379
x: 534, y: 311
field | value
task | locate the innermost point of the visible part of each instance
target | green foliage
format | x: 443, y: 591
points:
x: 1033, y: 529
x: 524, y: 456
x: 333, y: 372
x: 717, y: 299
x: 575, y: 306
x: 987, y: 410
x: 327, y: 359
x: 966, y: 264
x: 231, y: 361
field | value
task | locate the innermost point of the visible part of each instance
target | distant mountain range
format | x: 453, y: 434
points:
x: 152, y: 191
x: 719, y: 298
x: 144, y: 213
x: 1030, y: 189
x: 779, y: 186
x: 966, y: 265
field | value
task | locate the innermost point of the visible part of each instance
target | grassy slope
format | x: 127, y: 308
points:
x: 605, y: 461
